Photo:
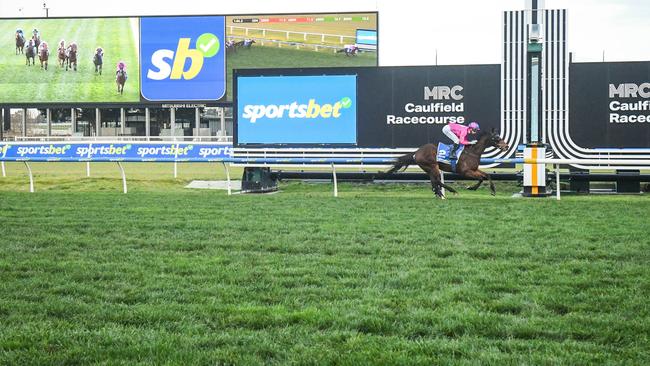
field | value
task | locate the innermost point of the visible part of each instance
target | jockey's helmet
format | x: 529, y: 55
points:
x: 474, y: 125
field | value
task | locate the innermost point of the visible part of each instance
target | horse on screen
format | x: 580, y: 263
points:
x: 71, y: 56
x: 61, y: 53
x: 20, y: 41
x: 43, y: 55
x: 120, y: 76
x: 98, y: 60
x: 467, y: 165
x: 30, y: 53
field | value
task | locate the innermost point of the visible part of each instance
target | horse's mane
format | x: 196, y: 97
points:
x: 481, y: 133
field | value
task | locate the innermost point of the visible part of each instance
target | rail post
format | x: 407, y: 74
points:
x: 336, y: 187
x: 123, y: 177
x: 228, y: 184
x: 31, y: 177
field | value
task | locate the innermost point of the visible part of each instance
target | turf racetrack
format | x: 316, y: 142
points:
x: 381, y: 275
x: 260, y: 57
x: 29, y: 84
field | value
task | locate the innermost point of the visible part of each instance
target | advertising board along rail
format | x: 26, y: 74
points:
x: 119, y: 152
x: 112, y: 151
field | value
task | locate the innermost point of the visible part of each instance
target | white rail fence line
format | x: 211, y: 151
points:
x: 287, y: 34
x: 297, y: 45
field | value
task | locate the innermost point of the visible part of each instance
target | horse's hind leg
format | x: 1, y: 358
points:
x: 100, y: 69
x: 475, y: 186
x: 448, y: 187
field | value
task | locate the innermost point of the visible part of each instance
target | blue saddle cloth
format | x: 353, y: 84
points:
x: 444, y: 151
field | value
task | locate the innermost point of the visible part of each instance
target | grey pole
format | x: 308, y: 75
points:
x: 122, y: 121
x: 172, y: 118
x: 48, y: 118
x: 197, y: 122
x: 147, y: 123
x: 24, y: 122
x: 223, y: 121
x: 98, y: 122
x: 73, y: 119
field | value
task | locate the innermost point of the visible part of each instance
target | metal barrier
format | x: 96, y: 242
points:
x: 174, y: 152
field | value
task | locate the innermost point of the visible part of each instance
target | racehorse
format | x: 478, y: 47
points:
x: 30, y: 52
x: 71, y: 57
x: 120, y: 77
x: 98, y: 60
x: 467, y: 165
x: 247, y: 43
x: 43, y: 55
x: 230, y: 46
x: 61, y: 53
x: 350, y: 50
x: 20, y: 42
x: 36, y: 37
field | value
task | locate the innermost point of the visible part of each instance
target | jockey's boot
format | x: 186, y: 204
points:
x: 452, y: 154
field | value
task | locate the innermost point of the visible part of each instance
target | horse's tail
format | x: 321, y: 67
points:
x: 402, y: 162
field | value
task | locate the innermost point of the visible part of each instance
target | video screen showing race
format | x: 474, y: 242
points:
x: 69, y: 60
x: 300, y: 40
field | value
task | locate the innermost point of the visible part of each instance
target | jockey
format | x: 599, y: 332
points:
x: 99, y: 51
x: 121, y: 67
x: 248, y: 42
x: 458, y: 134
x: 351, y: 49
x: 62, y: 44
x: 43, y: 46
x: 36, y: 34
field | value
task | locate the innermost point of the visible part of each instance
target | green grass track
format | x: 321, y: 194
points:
x: 384, y: 274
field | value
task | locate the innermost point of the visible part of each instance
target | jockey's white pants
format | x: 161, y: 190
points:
x: 447, y: 131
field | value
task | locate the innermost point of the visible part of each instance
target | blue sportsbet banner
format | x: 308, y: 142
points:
x: 133, y: 152
x: 297, y: 110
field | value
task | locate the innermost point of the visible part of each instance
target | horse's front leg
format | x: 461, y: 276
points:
x: 492, y: 187
x: 436, y: 181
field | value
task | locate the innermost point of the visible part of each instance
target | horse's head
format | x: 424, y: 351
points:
x: 495, y: 140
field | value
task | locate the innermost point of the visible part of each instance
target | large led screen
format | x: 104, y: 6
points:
x: 167, y: 59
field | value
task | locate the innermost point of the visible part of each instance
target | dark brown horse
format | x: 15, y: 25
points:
x: 120, y: 79
x: 30, y: 53
x: 20, y: 42
x: 247, y: 44
x: 71, y: 57
x: 98, y: 60
x: 43, y: 55
x: 467, y: 165
x: 61, y: 53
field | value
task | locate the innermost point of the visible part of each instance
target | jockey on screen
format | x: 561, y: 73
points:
x: 121, y: 67
x: 459, y: 135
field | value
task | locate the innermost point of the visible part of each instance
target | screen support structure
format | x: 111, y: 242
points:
x: 534, y: 174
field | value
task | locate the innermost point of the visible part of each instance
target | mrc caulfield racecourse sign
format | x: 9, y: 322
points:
x: 610, y: 104
x: 442, y: 104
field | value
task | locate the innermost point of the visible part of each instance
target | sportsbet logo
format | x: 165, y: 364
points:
x: 294, y: 110
x: 207, y: 45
